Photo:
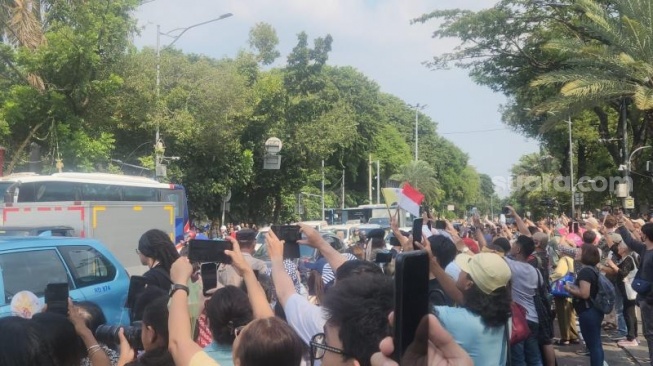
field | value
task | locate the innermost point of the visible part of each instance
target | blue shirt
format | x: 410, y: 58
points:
x: 485, y: 345
x: 220, y: 353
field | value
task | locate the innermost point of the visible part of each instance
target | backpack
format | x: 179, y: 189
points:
x: 605, y: 297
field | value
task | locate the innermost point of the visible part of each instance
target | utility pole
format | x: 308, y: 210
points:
x: 624, y: 118
x: 369, y: 185
x: 418, y: 107
x: 378, y: 182
x: 342, y: 203
x: 322, y: 189
x: 571, y: 173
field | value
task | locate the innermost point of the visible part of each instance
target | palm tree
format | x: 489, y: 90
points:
x: 610, y: 61
x: 420, y: 175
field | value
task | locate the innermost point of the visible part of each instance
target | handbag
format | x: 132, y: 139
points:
x: 558, y: 286
x: 640, y: 285
x: 631, y: 294
x: 520, y: 329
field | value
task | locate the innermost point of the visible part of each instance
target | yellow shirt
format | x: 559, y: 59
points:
x: 202, y: 359
x: 565, y: 265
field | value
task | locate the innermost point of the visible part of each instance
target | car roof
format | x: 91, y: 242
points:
x: 30, y: 228
x: 13, y: 243
x: 368, y: 226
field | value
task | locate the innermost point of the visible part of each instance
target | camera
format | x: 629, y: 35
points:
x: 108, y: 334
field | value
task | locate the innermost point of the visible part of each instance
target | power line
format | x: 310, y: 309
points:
x: 474, y: 131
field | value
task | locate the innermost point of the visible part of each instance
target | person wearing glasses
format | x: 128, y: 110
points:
x: 267, y: 340
x: 357, y: 311
x: 157, y: 252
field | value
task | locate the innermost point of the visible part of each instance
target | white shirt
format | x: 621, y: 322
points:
x: 305, y: 318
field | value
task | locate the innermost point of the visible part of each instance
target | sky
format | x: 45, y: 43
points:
x: 374, y: 36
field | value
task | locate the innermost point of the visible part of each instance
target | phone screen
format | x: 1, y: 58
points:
x: 417, y: 231
x: 440, y: 224
x: 136, y: 285
x: 204, y: 251
x: 56, y: 297
x: 290, y: 234
x: 383, y: 257
x: 411, y: 297
x: 209, y: 272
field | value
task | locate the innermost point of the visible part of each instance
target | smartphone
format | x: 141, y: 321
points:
x: 440, y: 224
x: 411, y: 297
x: 417, y: 230
x: 205, y: 251
x: 290, y: 234
x: 56, y: 298
x: 505, y: 211
x: 136, y: 286
x: 287, y: 233
x: 382, y: 258
x: 209, y: 273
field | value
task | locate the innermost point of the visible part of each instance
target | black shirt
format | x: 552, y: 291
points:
x: 159, y: 277
x: 586, y: 274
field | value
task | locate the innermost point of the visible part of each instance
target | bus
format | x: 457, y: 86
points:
x: 77, y: 187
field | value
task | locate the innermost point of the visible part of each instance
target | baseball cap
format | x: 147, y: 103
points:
x: 472, y: 245
x: 246, y: 235
x: 488, y: 270
x: 639, y: 221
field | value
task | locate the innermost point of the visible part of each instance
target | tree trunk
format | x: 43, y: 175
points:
x: 277, y: 208
x: 23, y: 145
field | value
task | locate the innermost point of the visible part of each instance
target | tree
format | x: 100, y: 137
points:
x: 420, y: 175
x: 263, y: 38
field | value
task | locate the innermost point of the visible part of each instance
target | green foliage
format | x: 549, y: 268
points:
x: 263, y: 38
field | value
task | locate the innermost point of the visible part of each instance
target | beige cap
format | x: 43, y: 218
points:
x: 489, y: 271
x: 616, y: 238
x: 592, y: 223
x: 639, y: 221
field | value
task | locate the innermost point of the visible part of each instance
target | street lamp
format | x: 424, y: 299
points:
x: 627, y: 170
x: 175, y: 34
x: 418, y: 107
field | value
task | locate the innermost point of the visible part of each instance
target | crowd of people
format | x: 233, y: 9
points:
x: 494, y: 292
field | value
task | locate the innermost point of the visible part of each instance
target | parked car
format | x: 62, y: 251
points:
x: 91, y: 271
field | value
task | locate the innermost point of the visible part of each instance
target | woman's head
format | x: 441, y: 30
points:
x: 227, y: 310
x: 154, y: 326
x: 23, y: 343
x: 60, y: 334
x: 154, y: 247
x: 590, y: 255
x: 268, y: 341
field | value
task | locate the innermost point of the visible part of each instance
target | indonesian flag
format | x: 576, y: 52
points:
x: 411, y: 199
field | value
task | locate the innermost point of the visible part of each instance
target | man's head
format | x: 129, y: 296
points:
x: 246, y: 239
x: 523, y: 247
x: 377, y: 238
x: 610, y: 222
x: 589, y: 237
x: 357, y: 318
x: 501, y: 244
x: 647, y: 232
x: 443, y: 249
x: 541, y: 240
x: 488, y: 271
x: 356, y: 267
x: 591, y: 224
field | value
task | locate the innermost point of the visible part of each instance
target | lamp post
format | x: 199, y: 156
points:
x: 158, y: 144
x: 627, y: 172
x: 418, y: 107
x: 571, y: 171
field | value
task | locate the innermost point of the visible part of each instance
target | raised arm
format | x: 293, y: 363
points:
x: 480, y: 237
x: 180, y: 344
x: 523, y: 229
x: 283, y: 284
x: 255, y: 292
x: 447, y: 283
x: 315, y: 240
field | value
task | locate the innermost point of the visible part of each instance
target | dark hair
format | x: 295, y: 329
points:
x: 533, y: 229
x: 149, y: 294
x: 269, y: 341
x: 156, y: 244
x: 589, y: 237
x: 23, y: 344
x: 610, y: 222
x: 443, y: 249
x: 359, y: 306
x: 647, y: 230
x: 59, y: 332
x: 494, y: 309
x: 316, y: 285
x: 590, y: 255
x: 266, y: 283
x: 227, y: 310
x: 356, y: 267
x: 155, y: 316
x: 378, y: 243
x: 95, y: 316
x: 526, y: 244
x: 502, y: 244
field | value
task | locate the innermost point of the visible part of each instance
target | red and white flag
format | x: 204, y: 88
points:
x: 411, y: 199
